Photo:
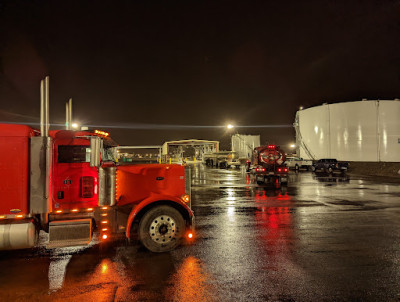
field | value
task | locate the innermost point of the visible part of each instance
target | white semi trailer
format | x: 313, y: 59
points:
x: 244, y: 145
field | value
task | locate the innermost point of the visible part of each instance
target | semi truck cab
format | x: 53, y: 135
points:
x: 69, y: 185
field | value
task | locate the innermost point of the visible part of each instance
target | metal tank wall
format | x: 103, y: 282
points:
x: 353, y: 131
x: 313, y: 124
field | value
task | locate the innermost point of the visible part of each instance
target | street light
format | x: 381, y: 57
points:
x: 230, y: 126
x: 75, y: 125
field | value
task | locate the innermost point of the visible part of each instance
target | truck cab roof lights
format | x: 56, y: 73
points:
x: 101, y: 133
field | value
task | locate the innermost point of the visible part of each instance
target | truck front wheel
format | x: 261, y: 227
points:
x: 161, y: 229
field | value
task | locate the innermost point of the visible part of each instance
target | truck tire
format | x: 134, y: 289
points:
x: 313, y: 168
x: 296, y: 167
x: 161, y: 229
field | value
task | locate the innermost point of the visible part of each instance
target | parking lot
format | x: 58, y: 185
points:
x: 321, y: 238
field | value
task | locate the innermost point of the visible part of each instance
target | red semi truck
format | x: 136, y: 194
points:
x: 67, y: 183
x: 268, y: 166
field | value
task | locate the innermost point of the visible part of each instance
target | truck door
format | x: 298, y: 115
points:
x: 75, y: 183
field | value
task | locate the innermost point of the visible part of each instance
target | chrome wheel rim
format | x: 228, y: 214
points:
x: 162, y: 229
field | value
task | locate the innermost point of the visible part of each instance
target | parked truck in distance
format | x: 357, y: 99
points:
x: 222, y: 159
x: 67, y: 183
x: 297, y: 163
x: 330, y: 165
x: 268, y: 166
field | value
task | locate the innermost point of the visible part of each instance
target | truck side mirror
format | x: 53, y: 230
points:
x: 95, y: 147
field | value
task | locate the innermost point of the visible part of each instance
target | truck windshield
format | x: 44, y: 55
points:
x: 73, y: 154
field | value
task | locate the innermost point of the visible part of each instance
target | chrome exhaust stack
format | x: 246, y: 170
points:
x: 41, y: 158
x: 68, y: 115
x: 44, y: 107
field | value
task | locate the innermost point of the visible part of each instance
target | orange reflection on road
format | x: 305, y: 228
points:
x: 191, y: 283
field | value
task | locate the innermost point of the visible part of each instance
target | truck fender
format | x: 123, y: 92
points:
x: 154, y: 198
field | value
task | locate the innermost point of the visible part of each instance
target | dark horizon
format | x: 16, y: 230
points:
x: 195, y: 64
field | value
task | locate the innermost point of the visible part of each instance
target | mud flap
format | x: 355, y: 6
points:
x: 65, y: 233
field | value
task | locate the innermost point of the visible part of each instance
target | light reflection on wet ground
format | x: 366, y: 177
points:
x: 321, y: 238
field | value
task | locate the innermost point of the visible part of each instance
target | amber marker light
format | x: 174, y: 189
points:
x: 104, y: 208
x: 2, y: 217
x: 104, y: 230
x: 104, y: 214
x: 59, y: 211
x: 104, y: 237
x: 89, y: 209
x: 104, y: 221
x: 190, y: 235
x: 19, y: 216
x: 185, y: 198
x: 74, y: 210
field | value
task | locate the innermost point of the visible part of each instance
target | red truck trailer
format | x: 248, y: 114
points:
x: 268, y: 166
x: 67, y: 183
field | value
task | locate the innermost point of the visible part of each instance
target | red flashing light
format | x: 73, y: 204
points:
x: 279, y: 169
x: 286, y: 170
x: 271, y: 146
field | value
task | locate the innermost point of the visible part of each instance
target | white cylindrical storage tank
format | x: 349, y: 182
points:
x: 354, y: 131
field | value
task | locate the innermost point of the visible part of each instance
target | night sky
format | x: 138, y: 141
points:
x: 139, y: 69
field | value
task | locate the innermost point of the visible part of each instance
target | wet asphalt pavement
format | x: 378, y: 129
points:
x: 322, y: 238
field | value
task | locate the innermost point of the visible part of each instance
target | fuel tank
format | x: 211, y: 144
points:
x: 17, y: 236
x: 269, y: 155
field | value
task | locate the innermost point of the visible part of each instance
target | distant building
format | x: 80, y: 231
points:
x: 191, y: 148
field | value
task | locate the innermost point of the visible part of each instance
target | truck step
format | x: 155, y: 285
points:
x: 70, y: 233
